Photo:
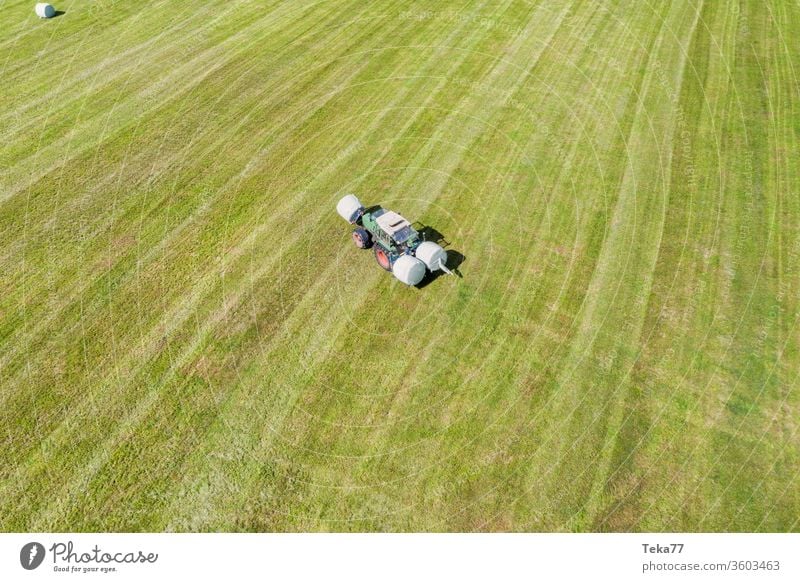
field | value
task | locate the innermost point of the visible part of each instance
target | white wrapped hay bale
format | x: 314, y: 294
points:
x: 408, y: 269
x: 45, y: 10
x: 434, y: 256
x: 349, y: 207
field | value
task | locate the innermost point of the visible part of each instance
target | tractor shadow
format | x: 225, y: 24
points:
x: 454, y: 258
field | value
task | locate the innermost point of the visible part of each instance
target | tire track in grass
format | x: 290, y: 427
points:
x: 176, y: 83
x: 322, y: 277
x: 527, y: 361
x: 285, y: 333
x: 180, y: 317
x: 661, y: 451
x: 18, y: 394
x: 63, y: 117
x: 788, y: 92
x: 522, y: 372
x: 744, y: 402
x: 43, y: 323
x: 775, y: 390
x: 472, y: 130
x: 113, y: 65
x: 200, y: 161
x: 345, y: 511
x: 23, y: 264
x: 391, y: 432
x: 691, y: 463
x: 189, y: 354
x: 656, y: 461
x: 35, y: 75
x: 155, y: 343
x: 690, y: 219
x: 618, y: 417
x: 541, y: 355
x: 31, y: 30
x: 626, y: 223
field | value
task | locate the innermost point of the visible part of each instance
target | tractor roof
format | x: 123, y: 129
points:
x: 391, y: 222
x: 397, y: 227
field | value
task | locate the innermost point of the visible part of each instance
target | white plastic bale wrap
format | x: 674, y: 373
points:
x: 348, y: 207
x: 408, y: 270
x: 432, y: 255
x: 44, y: 10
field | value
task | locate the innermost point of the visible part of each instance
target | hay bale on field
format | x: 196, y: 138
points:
x: 45, y: 10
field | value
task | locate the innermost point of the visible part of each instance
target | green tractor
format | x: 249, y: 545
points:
x: 398, y: 247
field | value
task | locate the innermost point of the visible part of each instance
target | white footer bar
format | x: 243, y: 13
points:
x: 379, y: 557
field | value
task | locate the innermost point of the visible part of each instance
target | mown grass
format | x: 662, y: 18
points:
x: 190, y: 342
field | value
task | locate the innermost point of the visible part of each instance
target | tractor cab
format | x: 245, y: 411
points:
x: 390, y: 229
x: 395, y: 226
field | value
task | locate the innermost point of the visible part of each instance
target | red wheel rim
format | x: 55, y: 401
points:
x: 357, y: 240
x: 383, y: 259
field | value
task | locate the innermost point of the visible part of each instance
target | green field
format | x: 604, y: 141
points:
x: 189, y: 340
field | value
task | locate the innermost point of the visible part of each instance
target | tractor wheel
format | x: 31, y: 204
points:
x: 383, y: 258
x: 361, y: 238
